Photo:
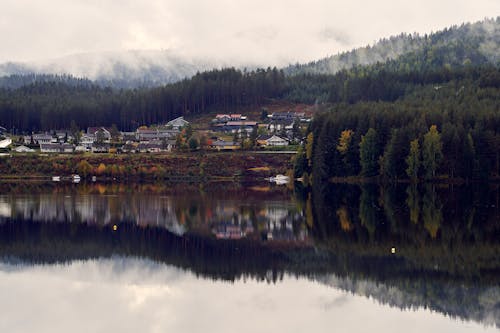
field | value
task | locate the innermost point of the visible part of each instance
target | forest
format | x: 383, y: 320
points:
x: 445, y: 130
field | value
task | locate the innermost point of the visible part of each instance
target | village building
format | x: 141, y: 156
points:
x: 87, y: 140
x: 100, y: 133
x: 61, y: 148
x: 5, y: 142
x: 23, y: 149
x: 39, y: 138
x: 271, y: 141
x: 100, y: 148
x: 177, y: 123
x: 237, y: 126
x: 146, y: 135
x: 224, y: 145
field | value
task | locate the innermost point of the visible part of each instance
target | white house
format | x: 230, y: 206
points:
x: 177, y: 123
x: 23, y: 149
x: 100, y: 131
x: 87, y: 140
x: 5, y: 143
x: 56, y: 148
x: 43, y: 138
x: 276, y: 141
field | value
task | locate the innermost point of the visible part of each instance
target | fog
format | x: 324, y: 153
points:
x: 219, y: 31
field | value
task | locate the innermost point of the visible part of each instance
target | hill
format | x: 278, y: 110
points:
x: 472, y: 43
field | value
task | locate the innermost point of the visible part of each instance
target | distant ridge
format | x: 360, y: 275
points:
x: 477, y: 43
x: 130, y: 69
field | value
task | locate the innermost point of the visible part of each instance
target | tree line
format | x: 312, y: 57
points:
x: 436, y: 131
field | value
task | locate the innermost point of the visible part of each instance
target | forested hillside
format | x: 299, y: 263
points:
x: 477, y: 43
x: 448, y: 129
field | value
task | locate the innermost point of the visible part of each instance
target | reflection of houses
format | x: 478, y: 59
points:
x: 228, y: 231
x: 225, y: 230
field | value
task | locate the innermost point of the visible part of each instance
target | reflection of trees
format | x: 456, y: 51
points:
x: 369, y: 211
x: 413, y: 203
x: 431, y: 210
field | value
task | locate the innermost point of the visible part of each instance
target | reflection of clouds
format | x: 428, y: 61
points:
x: 329, y: 304
x: 5, y: 210
x: 133, y: 295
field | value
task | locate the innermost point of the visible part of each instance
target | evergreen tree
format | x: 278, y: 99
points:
x: 369, y: 153
x: 413, y: 160
x: 431, y: 152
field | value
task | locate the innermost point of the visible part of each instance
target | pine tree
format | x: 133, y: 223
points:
x: 413, y: 160
x: 369, y: 153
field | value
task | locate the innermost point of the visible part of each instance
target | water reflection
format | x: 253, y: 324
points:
x: 410, y: 247
x: 130, y: 295
x: 235, y: 214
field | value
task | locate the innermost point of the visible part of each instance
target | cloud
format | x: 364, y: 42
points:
x: 247, y: 31
x: 330, y: 34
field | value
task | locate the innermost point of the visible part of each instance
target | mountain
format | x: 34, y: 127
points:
x: 472, y: 43
x: 129, y: 69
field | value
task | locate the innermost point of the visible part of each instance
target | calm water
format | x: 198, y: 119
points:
x: 228, y: 257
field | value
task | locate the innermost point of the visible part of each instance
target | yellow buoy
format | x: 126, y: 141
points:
x: 115, y: 227
x: 393, y: 250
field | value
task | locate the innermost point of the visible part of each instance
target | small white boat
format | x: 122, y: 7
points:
x: 56, y: 178
x: 75, y: 178
x: 280, y: 179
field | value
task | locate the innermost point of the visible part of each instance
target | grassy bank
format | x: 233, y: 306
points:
x: 147, y: 166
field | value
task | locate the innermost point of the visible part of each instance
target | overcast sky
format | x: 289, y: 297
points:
x: 262, y: 31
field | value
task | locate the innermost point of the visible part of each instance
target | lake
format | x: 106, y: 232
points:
x: 231, y: 257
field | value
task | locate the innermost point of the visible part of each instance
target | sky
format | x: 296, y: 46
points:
x: 261, y: 31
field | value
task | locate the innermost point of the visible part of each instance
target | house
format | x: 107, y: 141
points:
x: 283, y: 116
x: 56, y: 148
x: 177, y: 123
x: 224, y: 145
x: 87, y: 140
x: 145, y: 134
x: 100, y: 148
x: 271, y: 141
x: 82, y: 149
x: 40, y: 138
x: 239, y: 126
x: 279, y: 125
x: 150, y: 147
x: 23, y: 149
x: 5, y: 142
x: 100, y: 133
x: 222, y: 118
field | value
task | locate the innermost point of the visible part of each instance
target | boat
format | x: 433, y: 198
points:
x: 56, y: 178
x: 75, y: 178
x: 279, y: 179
